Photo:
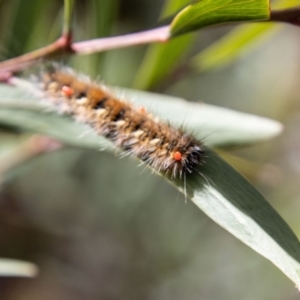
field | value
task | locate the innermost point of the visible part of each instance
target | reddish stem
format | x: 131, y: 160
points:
x: 161, y: 35
x: 291, y: 16
x: 58, y: 48
x: 63, y: 46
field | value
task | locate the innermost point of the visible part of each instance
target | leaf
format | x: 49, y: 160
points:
x: 160, y: 60
x: 218, y: 127
x: 62, y: 128
x: 28, y: 14
x: 211, y: 12
x: 217, y: 189
x: 232, y: 202
x: 12, y: 267
x: 229, y: 47
x: 101, y: 15
x: 242, y: 38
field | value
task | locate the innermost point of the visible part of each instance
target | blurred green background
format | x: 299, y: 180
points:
x: 103, y: 228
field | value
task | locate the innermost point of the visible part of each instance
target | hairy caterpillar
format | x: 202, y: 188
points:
x: 164, y: 148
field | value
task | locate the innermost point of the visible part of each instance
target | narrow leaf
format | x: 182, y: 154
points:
x: 160, y: 60
x: 218, y: 127
x: 229, y: 47
x: 222, y: 193
x: 232, y: 202
x: 211, y: 12
x: 12, y: 267
x: 242, y: 38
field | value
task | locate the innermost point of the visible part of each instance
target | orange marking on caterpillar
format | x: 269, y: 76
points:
x: 142, y: 110
x: 177, y: 156
x: 67, y: 91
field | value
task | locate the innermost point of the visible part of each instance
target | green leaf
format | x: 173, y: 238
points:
x: 61, y: 128
x: 229, y: 47
x: 24, y: 17
x: 216, y: 188
x: 172, y: 6
x: 232, y: 202
x: 160, y: 60
x: 101, y: 16
x: 12, y: 267
x: 211, y: 12
x: 218, y: 127
x: 241, y: 39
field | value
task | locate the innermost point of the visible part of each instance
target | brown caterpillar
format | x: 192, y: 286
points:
x: 166, y: 149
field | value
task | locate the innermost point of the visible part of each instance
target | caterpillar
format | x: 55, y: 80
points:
x: 166, y: 149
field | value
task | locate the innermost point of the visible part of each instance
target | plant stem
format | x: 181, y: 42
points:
x: 63, y: 46
x: 68, y: 17
x: 160, y: 34
x: 58, y: 48
x: 291, y: 16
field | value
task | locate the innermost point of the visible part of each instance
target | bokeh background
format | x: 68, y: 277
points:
x: 100, y: 227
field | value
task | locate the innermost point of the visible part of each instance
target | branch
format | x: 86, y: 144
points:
x: 161, y: 35
x: 291, y: 16
x: 56, y: 49
x: 63, y: 46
